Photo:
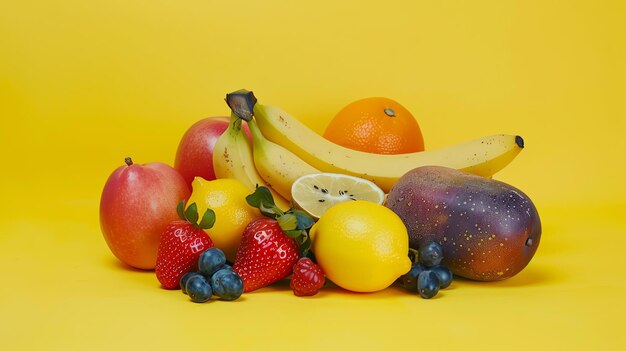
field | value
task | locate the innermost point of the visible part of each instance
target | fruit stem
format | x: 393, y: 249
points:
x: 234, y: 125
x: 414, y: 255
x: 129, y: 161
x: 241, y: 102
x: 390, y: 112
x: 529, y: 241
x: 257, y: 136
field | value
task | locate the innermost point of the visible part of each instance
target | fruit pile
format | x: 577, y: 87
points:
x: 259, y: 197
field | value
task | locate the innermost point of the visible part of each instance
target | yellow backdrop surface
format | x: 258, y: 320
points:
x: 84, y: 84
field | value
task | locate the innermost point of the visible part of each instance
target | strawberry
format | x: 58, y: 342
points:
x: 265, y: 254
x: 270, y: 246
x: 181, y: 244
x: 307, y: 278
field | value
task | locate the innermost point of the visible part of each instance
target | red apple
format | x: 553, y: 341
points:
x: 137, y: 203
x: 194, y: 157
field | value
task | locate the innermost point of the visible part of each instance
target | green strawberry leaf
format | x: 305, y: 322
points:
x: 191, y: 214
x: 304, y: 220
x: 293, y: 233
x: 180, y: 209
x: 208, y: 219
x: 305, y: 246
x: 288, y: 221
x: 262, y: 199
x: 272, y: 212
x: 260, y: 196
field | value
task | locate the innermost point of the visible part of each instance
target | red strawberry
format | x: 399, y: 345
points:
x: 270, y: 246
x: 307, y: 278
x: 181, y: 244
x: 266, y: 254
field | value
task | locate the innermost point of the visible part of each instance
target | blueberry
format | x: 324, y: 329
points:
x: 211, y: 261
x: 428, y: 284
x: 198, y: 288
x: 409, y: 280
x: 444, y: 275
x: 184, y: 279
x: 227, y: 284
x: 430, y: 254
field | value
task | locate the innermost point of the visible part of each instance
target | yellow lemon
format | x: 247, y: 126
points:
x: 361, y: 246
x: 227, y: 198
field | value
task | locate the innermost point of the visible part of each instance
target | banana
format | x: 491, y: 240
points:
x: 484, y: 156
x: 278, y: 166
x: 232, y: 158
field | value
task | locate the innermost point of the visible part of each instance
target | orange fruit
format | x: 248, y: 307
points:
x: 377, y: 125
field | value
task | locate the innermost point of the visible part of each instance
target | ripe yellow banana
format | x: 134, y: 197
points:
x: 232, y: 158
x: 278, y: 166
x: 484, y: 156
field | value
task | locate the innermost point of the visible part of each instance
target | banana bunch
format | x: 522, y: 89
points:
x: 278, y: 166
x: 285, y: 149
x: 232, y: 158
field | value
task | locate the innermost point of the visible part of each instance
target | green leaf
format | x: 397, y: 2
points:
x: 191, y: 214
x: 293, y: 233
x: 272, y: 212
x: 304, y: 220
x: 260, y: 196
x: 288, y: 221
x: 305, y: 246
x: 180, y: 209
x: 208, y: 219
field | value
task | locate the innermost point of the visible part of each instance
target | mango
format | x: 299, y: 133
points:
x: 488, y: 230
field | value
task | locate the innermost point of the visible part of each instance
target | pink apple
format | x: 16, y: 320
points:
x: 137, y: 203
x: 194, y: 157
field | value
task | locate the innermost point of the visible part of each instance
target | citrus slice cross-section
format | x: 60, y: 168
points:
x: 316, y: 193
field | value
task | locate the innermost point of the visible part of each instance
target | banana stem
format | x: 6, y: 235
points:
x: 257, y: 136
x: 234, y: 125
x: 241, y: 102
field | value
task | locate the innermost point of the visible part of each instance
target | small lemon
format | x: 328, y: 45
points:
x: 361, y: 246
x: 227, y: 198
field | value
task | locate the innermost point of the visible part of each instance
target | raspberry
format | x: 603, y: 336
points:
x: 307, y: 278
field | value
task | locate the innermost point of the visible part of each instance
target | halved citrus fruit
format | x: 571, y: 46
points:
x: 316, y: 193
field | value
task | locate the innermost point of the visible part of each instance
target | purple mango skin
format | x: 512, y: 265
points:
x: 488, y: 229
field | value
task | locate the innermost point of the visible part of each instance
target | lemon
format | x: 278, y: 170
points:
x: 361, y: 246
x: 316, y: 193
x: 227, y: 198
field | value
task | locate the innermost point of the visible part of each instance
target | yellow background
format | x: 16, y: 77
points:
x: 84, y: 84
